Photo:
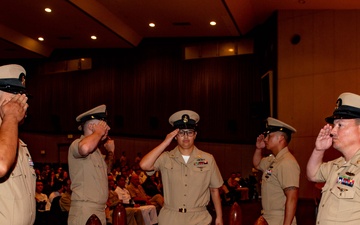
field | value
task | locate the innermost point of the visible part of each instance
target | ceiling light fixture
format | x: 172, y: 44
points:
x: 212, y: 23
x: 41, y: 39
x: 48, y: 10
x: 151, y: 24
x: 93, y: 37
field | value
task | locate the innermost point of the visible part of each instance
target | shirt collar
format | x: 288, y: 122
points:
x: 282, y: 153
x: 355, y: 160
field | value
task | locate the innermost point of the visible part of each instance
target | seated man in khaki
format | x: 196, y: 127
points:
x: 138, y: 194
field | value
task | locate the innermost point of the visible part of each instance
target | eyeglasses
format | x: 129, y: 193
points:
x: 189, y: 133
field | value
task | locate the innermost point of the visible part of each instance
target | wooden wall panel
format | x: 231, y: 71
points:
x: 143, y: 86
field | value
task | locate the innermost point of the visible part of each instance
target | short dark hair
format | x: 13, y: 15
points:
x: 287, y: 137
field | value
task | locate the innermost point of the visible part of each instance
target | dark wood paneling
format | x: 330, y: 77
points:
x: 143, y: 86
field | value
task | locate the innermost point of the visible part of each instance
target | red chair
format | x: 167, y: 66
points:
x: 119, y: 215
x: 93, y: 220
x: 235, y: 215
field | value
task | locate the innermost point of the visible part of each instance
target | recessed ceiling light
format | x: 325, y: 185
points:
x: 212, y: 23
x: 151, y: 24
x: 41, y: 39
x: 48, y: 10
x: 93, y: 37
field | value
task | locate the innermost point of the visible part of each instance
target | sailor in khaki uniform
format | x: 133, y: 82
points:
x: 340, y: 201
x: 189, y: 175
x: 281, y: 173
x: 88, y: 170
x: 17, y: 175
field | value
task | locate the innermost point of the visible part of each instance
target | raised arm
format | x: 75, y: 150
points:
x: 260, y: 144
x: 12, y: 112
x: 323, y: 142
x: 147, y: 162
x: 90, y: 142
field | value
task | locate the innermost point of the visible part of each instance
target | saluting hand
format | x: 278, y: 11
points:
x: 260, y: 144
x: 110, y: 145
x: 101, y: 128
x: 15, y: 107
x: 324, y: 140
x: 171, y: 136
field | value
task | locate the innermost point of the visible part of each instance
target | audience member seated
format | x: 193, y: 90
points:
x: 151, y: 186
x: 142, y: 175
x: 65, y: 198
x: 123, y: 159
x: 121, y: 190
x: 139, y: 196
x: 42, y: 205
x: 225, y: 195
x: 57, y: 190
x: 126, y: 173
x: 243, y: 182
x: 237, y: 191
x: 56, y: 215
x: 133, y: 215
x: 48, y: 181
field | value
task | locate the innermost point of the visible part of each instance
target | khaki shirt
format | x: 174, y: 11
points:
x: 186, y: 185
x: 279, y: 173
x: 65, y: 201
x: 89, y: 185
x: 17, y: 192
x: 138, y: 191
x: 340, y: 201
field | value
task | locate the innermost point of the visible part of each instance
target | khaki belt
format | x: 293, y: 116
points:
x: 273, y: 212
x: 186, y: 210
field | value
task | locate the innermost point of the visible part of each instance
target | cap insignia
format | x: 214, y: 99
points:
x: 185, y: 119
x: 338, y: 103
x: 22, y: 79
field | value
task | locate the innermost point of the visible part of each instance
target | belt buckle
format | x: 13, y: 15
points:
x: 182, y: 210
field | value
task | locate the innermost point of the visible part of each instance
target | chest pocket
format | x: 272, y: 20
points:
x: 342, y: 191
x: 348, y: 197
x: 201, y: 175
x: 170, y: 165
x: 15, y: 186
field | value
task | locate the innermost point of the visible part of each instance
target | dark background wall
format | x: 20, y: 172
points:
x: 143, y: 86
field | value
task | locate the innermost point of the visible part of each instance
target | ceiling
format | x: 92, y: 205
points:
x: 124, y: 23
